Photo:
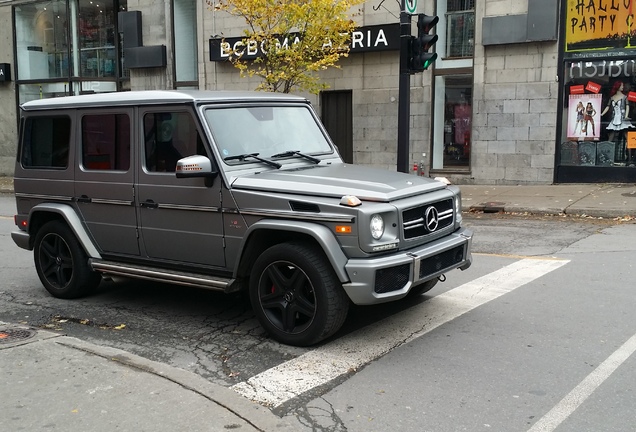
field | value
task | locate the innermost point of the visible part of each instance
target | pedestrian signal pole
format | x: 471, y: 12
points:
x: 414, y: 57
x: 404, y: 92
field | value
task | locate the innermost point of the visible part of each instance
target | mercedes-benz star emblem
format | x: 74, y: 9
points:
x: 431, y: 217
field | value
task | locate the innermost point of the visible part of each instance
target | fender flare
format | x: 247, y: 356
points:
x: 74, y: 222
x: 323, y: 236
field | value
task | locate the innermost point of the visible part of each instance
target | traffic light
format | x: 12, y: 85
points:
x: 419, y: 57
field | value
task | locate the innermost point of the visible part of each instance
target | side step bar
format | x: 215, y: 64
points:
x: 162, y: 275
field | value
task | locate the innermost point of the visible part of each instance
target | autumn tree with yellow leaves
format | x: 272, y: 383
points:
x: 296, y: 39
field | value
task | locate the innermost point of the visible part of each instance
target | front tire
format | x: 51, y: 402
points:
x: 296, y: 295
x: 422, y: 288
x: 61, y: 263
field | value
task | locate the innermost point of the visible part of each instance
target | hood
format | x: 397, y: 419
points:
x: 336, y: 180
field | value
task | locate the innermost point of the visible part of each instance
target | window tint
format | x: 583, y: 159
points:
x: 106, y: 142
x: 170, y: 136
x: 46, y: 142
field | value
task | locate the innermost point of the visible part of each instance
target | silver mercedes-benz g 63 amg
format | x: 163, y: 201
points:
x: 226, y: 191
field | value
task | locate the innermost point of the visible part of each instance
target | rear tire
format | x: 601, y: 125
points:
x: 296, y: 295
x: 61, y: 263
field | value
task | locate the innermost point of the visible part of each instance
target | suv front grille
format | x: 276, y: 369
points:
x: 427, y: 219
x: 437, y: 263
x: 392, y: 278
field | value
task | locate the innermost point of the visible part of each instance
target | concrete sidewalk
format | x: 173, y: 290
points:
x: 595, y: 200
x: 58, y: 383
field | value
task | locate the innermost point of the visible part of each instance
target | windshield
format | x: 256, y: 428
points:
x: 266, y: 130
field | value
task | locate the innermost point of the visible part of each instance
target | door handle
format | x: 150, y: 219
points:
x: 84, y: 199
x: 149, y: 204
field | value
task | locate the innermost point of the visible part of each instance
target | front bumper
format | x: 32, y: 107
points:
x: 391, y: 277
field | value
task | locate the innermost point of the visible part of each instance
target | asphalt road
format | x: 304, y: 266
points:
x: 537, y: 335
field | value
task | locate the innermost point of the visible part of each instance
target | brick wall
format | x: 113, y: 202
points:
x: 514, y: 107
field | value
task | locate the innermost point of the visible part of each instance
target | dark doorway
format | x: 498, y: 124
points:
x: 337, y: 116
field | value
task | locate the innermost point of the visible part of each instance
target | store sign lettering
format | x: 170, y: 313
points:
x: 597, y: 24
x: 611, y: 69
x: 593, y: 87
x: 362, y: 39
x: 577, y: 89
x: 370, y: 38
x: 5, y: 72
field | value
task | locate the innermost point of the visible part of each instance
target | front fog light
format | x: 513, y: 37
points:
x: 377, y: 226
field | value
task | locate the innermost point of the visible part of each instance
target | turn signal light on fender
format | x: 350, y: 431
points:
x: 350, y: 201
x: 343, y: 229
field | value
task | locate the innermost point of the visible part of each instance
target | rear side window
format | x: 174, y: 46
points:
x: 106, y: 142
x: 46, y: 142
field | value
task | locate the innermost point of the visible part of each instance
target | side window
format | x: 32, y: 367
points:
x: 170, y: 136
x: 106, y: 142
x: 46, y: 142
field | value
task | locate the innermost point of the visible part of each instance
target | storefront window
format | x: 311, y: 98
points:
x: 66, y: 47
x: 599, y: 103
x: 96, y: 27
x: 42, y: 47
x: 185, y: 42
x: 453, y: 124
x: 29, y: 92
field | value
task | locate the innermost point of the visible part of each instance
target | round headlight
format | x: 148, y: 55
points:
x: 377, y: 226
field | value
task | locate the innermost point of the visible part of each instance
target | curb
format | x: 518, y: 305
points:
x: 258, y: 416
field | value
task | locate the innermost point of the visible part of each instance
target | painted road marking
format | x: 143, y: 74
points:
x: 288, y: 380
x: 576, y: 397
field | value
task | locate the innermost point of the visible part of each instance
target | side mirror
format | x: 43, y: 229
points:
x: 195, y: 166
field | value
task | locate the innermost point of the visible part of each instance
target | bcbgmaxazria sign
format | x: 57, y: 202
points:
x: 383, y: 37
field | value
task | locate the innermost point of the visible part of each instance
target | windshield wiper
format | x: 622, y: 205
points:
x: 296, y: 153
x: 242, y: 157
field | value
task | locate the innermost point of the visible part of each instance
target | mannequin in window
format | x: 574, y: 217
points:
x: 462, y: 116
x: 620, y: 113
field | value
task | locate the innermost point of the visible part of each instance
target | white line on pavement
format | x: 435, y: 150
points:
x: 281, y: 383
x: 576, y: 397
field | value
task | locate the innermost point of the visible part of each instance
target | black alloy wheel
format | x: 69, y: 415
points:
x: 61, y: 263
x: 296, y: 295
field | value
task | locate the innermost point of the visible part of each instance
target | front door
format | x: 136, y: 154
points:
x: 104, y: 179
x: 337, y: 116
x: 180, y: 218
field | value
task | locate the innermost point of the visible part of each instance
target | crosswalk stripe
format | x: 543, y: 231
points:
x: 288, y: 380
x: 581, y: 392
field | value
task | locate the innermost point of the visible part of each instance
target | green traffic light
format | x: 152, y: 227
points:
x: 429, y: 61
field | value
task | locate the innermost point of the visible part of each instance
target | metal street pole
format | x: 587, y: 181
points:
x: 404, y: 95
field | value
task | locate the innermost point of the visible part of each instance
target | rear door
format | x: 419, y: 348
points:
x: 104, y: 179
x: 179, y: 218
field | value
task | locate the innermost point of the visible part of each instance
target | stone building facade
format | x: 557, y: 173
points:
x: 492, y: 110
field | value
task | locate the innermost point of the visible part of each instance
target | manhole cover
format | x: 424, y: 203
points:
x: 15, y: 334
x: 489, y: 207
